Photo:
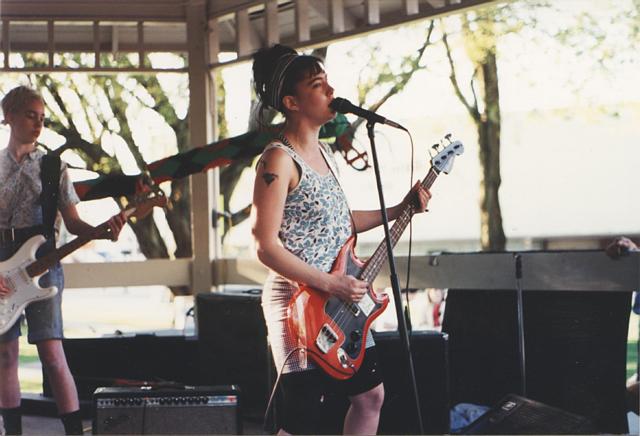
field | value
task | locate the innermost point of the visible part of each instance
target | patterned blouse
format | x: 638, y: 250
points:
x: 316, y: 220
x: 315, y: 225
x: 20, y: 188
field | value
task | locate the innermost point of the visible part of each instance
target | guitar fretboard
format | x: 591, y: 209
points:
x: 41, y: 265
x: 374, y: 264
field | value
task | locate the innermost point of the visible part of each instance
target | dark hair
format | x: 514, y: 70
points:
x: 265, y: 62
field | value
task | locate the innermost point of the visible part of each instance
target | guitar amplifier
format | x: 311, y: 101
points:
x: 143, y: 410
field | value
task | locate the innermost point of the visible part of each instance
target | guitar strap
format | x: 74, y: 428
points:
x: 50, y: 177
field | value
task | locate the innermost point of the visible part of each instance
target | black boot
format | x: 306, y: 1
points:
x: 72, y: 422
x: 12, y: 420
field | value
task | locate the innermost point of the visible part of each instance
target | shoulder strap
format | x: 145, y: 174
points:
x: 50, y: 176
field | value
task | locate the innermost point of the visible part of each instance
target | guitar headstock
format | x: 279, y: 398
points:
x: 447, y: 152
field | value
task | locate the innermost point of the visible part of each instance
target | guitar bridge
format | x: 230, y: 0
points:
x: 326, y: 338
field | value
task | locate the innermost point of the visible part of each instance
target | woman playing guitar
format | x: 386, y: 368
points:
x: 300, y: 222
x: 21, y: 217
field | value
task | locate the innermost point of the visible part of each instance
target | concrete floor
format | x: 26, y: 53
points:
x: 42, y: 425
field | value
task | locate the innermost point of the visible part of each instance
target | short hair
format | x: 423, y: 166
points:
x: 18, y: 98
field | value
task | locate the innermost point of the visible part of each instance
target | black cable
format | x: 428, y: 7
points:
x: 275, y: 386
x: 406, y: 294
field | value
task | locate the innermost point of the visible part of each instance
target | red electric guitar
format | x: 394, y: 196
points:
x: 333, y: 331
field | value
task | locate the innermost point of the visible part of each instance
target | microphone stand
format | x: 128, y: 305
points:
x: 402, y: 326
x: 520, y: 310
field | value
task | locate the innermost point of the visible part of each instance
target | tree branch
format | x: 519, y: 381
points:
x: 454, y: 80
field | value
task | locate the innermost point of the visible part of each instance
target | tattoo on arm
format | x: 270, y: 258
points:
x: 269, y: 177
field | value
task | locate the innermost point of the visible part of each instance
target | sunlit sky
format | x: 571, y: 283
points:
x: 569, y: 135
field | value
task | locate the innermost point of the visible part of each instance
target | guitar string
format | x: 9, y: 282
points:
x: 345, y: 308
x: 396, y: 232
x: 367, y: 275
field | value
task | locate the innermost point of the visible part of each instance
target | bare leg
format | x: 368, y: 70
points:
x: 62, y: 384
x: 9, y: 384
x: 364, y: 413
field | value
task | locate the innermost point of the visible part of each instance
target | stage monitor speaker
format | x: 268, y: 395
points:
x: 398, y: 415
x: 193, y: 410
x: 576, y: 344
x: 233, y: 345
x: 106, y: 361
x: 515, y: 415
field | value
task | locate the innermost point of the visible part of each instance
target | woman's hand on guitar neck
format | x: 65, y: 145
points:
x: 348, y: 288
x: 418, y: 197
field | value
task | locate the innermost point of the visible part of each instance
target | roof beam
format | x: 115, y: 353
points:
x: 214, y: 40
x: 243, y: 32
x: 303, y: 30
x: 271, y: 25
x: 372, y: 12
x: 51, y: 42
x: 6, y: 42
x: 141, y: 52
x: 90, y: 10
x: 96, y: 43
x: 411, y: 7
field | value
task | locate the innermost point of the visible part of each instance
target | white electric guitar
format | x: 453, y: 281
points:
x: 22, y: 272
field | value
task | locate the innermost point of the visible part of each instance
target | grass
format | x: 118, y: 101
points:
x: 632, y: 344
x: 632, y: 358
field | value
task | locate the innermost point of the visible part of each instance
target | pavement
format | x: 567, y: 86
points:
x: 43, y: 425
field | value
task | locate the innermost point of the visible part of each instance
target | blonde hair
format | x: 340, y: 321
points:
x: 17, y: 99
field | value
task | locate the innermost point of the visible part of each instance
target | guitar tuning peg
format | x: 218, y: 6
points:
x: 435, y: 150
x: 448, y: 137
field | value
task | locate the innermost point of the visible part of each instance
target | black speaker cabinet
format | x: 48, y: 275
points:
x: 107, y: 361
x: 233, y: 345
x: 431, y: 365
x: 575, y: 350
x: 398, y: 415
x: 193, y: 410
x: 515, y: 415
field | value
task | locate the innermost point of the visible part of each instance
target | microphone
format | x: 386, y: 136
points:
x: 344, y: 106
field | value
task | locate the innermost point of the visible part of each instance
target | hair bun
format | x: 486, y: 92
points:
x: 264, y: 63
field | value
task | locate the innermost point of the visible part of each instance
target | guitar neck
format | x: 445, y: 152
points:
x: 43, y: 264
x: 140, y: 210
x: 374, y: 264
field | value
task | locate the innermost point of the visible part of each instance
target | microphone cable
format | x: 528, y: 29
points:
x: 406, y: 294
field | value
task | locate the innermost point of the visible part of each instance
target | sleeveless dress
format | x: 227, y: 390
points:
x: 316, y: 223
